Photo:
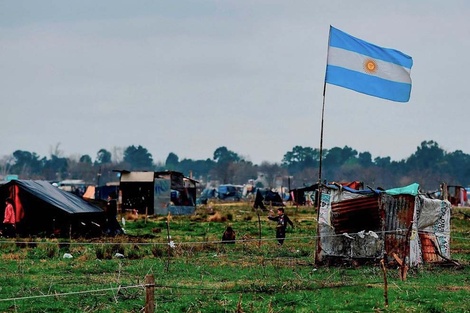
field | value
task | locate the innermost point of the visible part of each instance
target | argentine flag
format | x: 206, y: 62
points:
x: 363, y: 67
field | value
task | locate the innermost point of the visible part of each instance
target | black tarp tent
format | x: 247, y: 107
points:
x: 44, y: 210
x: 267, y: 197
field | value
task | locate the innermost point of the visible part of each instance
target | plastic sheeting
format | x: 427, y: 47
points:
x: 63, y: 200
x: 48, y: 210
x: 412, y: 189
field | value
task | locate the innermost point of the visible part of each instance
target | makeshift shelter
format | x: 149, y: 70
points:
x: 308, y: 195
x: 304, y: 195
x: 229, y: 192
x: 267, y: 197
x: 157, y: 192
x: 206, y: 194
x: 398, y: 224
x: 100, y: 192
x: 76, y: 186
x: 42, y: 209
x: 457, y: 195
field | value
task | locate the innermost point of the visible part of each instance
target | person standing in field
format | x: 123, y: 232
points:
x: 9, y: 219
x: 282, y: 220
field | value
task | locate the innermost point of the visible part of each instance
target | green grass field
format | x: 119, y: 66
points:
x: 201, y: 275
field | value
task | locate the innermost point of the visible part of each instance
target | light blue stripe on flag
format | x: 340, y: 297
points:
x: 364, y: 67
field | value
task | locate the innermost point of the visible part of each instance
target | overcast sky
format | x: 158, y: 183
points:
x: 190, y: 76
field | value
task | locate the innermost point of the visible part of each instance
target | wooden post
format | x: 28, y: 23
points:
x: 317, y: 239
x: 149, y: 294
x: 403, y: 269
x: 259, y: 227
x: 382, y: 264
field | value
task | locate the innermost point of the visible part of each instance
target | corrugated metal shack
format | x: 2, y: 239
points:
x: 157, y: 193
x: 399, y: 224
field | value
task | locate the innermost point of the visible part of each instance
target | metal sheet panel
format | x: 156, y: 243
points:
x: 351, y: 221
x: 429, y: 247
x: 355, y: 215
x: 398, y: 221
x: 137, y: 177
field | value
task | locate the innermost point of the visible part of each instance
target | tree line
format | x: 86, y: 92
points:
x: 429, y: 166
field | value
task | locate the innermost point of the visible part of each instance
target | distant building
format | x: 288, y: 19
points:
x: 157, y: 193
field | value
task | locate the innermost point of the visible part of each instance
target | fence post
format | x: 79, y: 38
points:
x: 384, y: 269
x: 149, y: 294
x: 169, y: 241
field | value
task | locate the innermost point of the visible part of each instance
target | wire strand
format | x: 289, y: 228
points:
x: 75, y: 292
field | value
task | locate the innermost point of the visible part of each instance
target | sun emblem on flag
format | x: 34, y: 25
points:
x: 370, y: 66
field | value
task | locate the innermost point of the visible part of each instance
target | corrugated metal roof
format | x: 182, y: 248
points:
x: 137, y: 177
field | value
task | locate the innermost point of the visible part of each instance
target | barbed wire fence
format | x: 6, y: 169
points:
x: 150, y: 288
x: 150, y: 285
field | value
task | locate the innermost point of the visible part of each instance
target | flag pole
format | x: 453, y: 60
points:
x: 321, y: 135
x: 318, y: 246
x: 323, y: 117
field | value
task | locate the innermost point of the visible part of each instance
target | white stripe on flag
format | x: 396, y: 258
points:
x: 355, y: 61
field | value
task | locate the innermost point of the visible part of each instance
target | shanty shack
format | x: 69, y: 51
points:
x: 457, y: 195
x: 308, y: 195
x: 400, y: 225
x: 157, y: 193
x: 45, y: 210
x: 304, y: 195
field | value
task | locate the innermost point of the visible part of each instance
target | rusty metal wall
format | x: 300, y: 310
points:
x: 428, y: 248
x: 355, y: 215
x: 372, y: 226
x: 398, y: 221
